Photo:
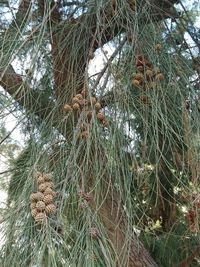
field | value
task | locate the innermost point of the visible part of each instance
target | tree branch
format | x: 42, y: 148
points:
x: 71, y: 77
x: 117, y: 50
x: 31, y: 101
x: 21, y: 15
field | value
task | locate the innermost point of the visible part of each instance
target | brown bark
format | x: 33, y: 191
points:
x: 68, y: 77
x: 128, y: 250
x: 30, y: 100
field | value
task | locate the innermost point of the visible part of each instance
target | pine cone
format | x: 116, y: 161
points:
x: 50, y: 209
x: 47, y: 177
x: 33, y: 197
x: 100, y: 116
x: 39, y: 196
x: 49, y: 191
x: 40, y: 217
x: 49, y: 184
x: 48, y: 199
x: 34, y: 212
x: 79, y: 96
x: 159, y: 77
x: 75, y: 100
x: 42, y: 187
x: 76, y: 106
x: 40, y: 179
x: 40, y: 206
x: 33, y: 205
x: 67, y: 108
x: 97, y: 106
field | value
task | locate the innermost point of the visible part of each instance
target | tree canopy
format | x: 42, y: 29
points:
x: 107, y: 97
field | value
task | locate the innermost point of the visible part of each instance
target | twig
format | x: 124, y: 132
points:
x: 8, y: 135
x: 191, y: 35
x: 109, y: 62
x: 10, y: 170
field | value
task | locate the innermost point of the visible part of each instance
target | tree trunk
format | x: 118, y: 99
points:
x: 129, y: 251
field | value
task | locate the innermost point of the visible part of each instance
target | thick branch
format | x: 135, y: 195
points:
x: 31, y: 101
x: 22, y: 14
x: 68, y: 77
x: 128, y: 250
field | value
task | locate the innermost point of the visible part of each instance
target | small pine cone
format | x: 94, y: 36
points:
x: 33, y: 197
x: 136, y: 83
x: 67, y: 108
x: 49, y: 191
x: 39, y: 196
x: 158, y: 47
x: 105, y: 123
x: 54, y: 194
x: 42, y: 187
x: 50, y: 209
x: 100, y: 116
x: 34, y: 212
x: 49, y: 184
x: 37, y: 174
x: 97, y: 106
x: 40, y: 217
x: 40, y: 179
x: 33, y: 205
x: 76, y: 106
x: 48, y: 199
x: 149, y: 74
x: 159, y: 77
x: 79, y: 96
x: 40, y: 206
x: 83, y: 135
x: 93, y: 257
x: 139, y: 77
x: 75, y: 100
x: 47, y: 177
x: 140, y: 68
x: 85, y: 101
x: 81, y: 103
x: 89, y: 115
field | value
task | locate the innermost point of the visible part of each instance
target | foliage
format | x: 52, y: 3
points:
x: 127, y: 174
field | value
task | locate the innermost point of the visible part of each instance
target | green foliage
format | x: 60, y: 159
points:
x: 142, y: 168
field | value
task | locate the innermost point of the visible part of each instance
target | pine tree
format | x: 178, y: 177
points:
x: 110, y: 172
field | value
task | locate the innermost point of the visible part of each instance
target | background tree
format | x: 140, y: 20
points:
x: 112, y: 151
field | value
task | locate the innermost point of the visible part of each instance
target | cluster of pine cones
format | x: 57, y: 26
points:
x: 42, y: 204
x: 90, y: 108
x: 146, y: 76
